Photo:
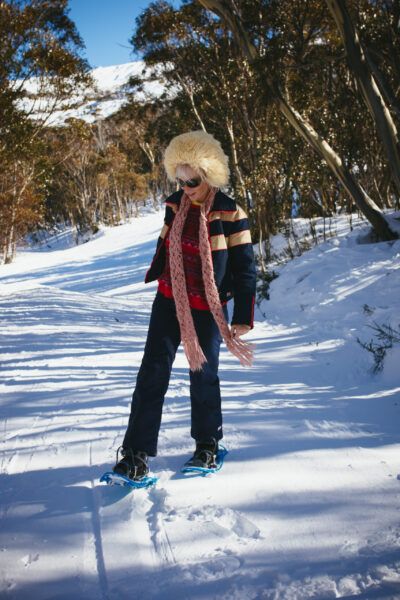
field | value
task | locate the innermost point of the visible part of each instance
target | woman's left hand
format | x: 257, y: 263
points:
x: 239, y: 330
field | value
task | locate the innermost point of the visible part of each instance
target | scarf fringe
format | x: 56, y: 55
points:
x: 243, y: 350
x: 195, y: 356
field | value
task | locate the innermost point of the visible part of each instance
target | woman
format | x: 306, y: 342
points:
x: 204, y: 257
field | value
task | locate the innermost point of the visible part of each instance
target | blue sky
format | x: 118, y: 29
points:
x: 106, y: 26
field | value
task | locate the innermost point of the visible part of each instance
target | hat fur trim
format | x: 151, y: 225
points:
x: 201, y: 151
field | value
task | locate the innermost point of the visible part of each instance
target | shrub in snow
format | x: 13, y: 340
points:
x: 384, y: 339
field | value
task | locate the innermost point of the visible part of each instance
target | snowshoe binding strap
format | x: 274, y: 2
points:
x: 131, y: 464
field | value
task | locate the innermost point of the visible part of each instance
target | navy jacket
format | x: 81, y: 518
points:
x: 232, y: 253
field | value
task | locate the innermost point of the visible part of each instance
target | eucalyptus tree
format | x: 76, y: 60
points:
x: 214, y: 89
x: 199, y: 65
x: 40, y: 67
x: 378, y: 24
x: 223, y: 90
x: 141, y: 130
x: 367, y: 76
x: 255, y: 35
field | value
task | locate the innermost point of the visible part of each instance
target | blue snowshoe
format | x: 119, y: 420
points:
x: 207, y: 458
x: 131, y: 469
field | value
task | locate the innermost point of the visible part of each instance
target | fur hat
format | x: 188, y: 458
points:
x: 202, y: 152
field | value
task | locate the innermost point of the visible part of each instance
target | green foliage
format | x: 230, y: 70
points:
x: 264, y: 282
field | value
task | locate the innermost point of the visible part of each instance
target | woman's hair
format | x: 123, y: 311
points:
x: 185, y: 172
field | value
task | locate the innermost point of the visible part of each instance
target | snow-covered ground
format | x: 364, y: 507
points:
x: 307, y: 504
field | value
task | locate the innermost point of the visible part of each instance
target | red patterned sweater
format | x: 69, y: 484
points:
x: 191, y: 263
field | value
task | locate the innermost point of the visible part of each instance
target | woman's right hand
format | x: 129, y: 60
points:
x: 239, y: 330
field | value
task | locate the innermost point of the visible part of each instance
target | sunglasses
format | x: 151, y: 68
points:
x: 190, y: 183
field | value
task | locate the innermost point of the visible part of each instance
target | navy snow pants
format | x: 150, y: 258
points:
x: 152, y: 381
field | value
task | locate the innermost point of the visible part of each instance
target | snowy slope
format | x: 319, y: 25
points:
x: 307, y: 504
x: 106, y: 98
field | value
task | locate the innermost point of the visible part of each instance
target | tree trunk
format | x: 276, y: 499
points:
x: 229, y: 13
x: 383, y: 85
x: 373, y: 98
x: 366, y: 205
x: 190, y: 94
x: 229, y: 127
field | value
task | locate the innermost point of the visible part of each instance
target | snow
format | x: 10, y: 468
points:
x: 107, y: 97
x: 307, y: 503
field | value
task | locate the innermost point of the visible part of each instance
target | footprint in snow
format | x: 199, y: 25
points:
x: 227, y: 520
x: 218, y: 568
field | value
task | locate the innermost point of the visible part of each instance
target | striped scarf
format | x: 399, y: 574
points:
x: 239, y: 348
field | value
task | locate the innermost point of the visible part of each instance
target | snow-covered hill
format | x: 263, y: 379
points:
x: 307, y: 504
x: 107, y: 96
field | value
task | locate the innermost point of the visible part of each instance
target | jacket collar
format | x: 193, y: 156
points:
x: 222, y: 202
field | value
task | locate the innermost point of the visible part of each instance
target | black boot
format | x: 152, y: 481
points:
x: 133, y: 464
x: 205, y: 455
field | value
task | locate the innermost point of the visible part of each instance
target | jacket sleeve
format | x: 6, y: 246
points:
x: 157, y: 264
x: 241, y: 258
